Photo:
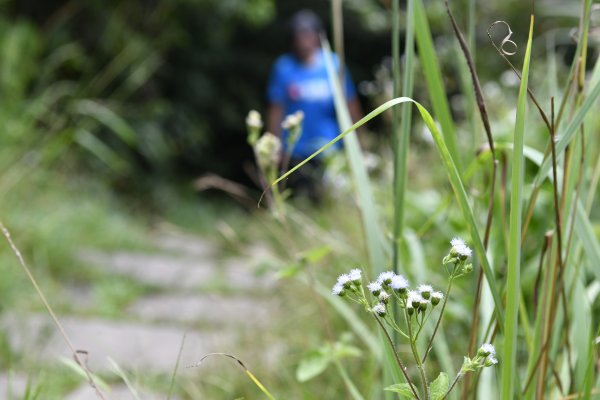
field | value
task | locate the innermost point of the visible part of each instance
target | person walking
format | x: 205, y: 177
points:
x: 299, y: 82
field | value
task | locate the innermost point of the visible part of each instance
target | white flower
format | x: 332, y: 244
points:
x: 487, y: 349
x: 386, y: 277
x: 293, y: 120
x: 456, y: 242
x: 413, y: 294
x: 374, y: 287
x: 338, y: 290
x: 355, y: 275
x: 268, y: 150
x: 344, y: 279
x: 460, y: 247
x: 399, y: 282
x: 436, y: 297
x: 425, y: 289
x: 491, y: 360
x: 379, y: 309
x: 254, y: 120
x: 414, y: 299
x: 383, y: 297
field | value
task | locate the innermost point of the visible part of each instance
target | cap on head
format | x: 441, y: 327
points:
x: 304, y: 21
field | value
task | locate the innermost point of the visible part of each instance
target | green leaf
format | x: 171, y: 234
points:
x: 315, y: 254
x: 341, y: 350
x: 439, y: 387
x: 430, y: 66
x: 289, y: 271
x: 107, y: 117
x: 513, y: 276
x: 354, y: 321
x: 312, y: 365
x: 402, y: 388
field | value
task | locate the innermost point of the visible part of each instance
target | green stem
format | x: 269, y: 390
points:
x: 415, y: 351
x: 437, y: 325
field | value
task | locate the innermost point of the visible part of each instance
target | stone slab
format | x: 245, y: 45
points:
x: 133, y: 346
x: 211, y: 310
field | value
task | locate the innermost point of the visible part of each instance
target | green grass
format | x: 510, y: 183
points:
x: 513, y: 288
x: 542, y: 317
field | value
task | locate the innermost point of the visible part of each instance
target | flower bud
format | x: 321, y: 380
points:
x: 379, y: 309
x: 490, y: 360
x: 436, y: 297
x: 425, y: 291
x: 486, y: 349
x: 468, y: 268
x: 338, y: 290
x: 254, y: 124
x: 356, y: 276
x: 375, y: 288
x: 268, y: 150
x: 384, y: 297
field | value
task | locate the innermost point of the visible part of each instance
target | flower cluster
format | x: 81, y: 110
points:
x: 268, y: 150
x: 293, y: 120
x: 458, y: 256
x: 386, y: 287
x: 488, y: 352
x: 486, y: 357
x: 348, y: 282
x: 415, y: 306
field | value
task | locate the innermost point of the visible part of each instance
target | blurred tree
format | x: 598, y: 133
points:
x: 142, y: 89
x: 151, y: 87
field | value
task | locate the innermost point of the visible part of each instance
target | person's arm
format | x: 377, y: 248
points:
x: 355, y: 109
x: 275, y: 118
x: 353, y: 103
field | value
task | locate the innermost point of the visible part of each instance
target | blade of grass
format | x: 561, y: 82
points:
x: 352, y: 389
x: 253, y: 378
x: 174, y: 374
x: 121, y: 374
x: 569, y: 132
x: 588, y: 239
x: 373, y: 235
x: 107, y: 117
x: 401, y: 124
x: 581, y: 331
x: 75, y: 353
x: 513, y: 291
x: 435, y: 85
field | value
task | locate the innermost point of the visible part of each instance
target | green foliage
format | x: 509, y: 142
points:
x: 403, y: 389
x: 317, y: 361
x: 125, y: 93
x: 440, y: 386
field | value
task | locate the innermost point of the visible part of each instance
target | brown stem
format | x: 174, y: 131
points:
x: 74, y: 352
x: 402, y: 367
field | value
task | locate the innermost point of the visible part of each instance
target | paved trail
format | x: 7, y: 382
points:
x: 218, y: 303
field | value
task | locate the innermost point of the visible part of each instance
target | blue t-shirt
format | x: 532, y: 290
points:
x: 297, y: 86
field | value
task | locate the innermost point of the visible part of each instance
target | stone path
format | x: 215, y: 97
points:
x: 217, y: 303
